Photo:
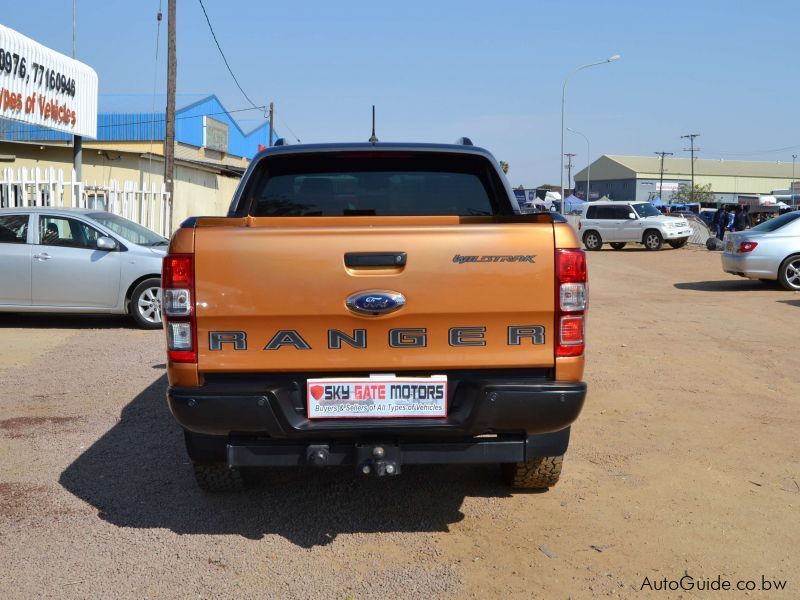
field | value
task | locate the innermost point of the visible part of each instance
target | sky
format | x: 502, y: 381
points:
x: 438, y: 70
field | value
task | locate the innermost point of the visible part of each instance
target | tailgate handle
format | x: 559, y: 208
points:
x: 374, y: 259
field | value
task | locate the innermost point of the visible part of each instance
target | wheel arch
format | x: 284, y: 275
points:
x: 788, y: 257
x: 648, y: 230
x: 133, y: 285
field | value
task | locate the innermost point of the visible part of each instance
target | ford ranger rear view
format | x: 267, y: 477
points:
x: 375, y: 305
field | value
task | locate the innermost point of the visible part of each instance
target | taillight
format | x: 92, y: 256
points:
x: 177, y: 283
x: 571, y: 301
x: 747, y: 247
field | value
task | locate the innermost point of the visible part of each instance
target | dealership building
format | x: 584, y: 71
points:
x: 637, y: 177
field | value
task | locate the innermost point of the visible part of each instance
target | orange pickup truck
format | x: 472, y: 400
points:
x: 375, y: 305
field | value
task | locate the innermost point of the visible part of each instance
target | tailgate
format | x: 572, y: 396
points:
x: 274, y: 298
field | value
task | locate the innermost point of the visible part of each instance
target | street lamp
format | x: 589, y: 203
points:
x: 563, y: 101
x: 588, y: 164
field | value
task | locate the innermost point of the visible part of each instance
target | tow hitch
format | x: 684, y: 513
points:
x: 378, y: 459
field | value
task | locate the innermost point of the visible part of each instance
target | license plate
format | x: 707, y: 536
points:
x: 377, y: 397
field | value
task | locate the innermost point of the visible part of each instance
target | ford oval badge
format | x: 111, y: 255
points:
x: 375, y: 302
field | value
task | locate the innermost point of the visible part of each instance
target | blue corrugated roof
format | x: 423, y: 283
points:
x: 150, y: 126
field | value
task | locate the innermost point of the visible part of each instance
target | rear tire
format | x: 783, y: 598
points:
x: 218, y: 477
x: 145, y: 305
x: 540, y: 472
x: 592, y: 240
x: 789, y: 273
x: 617, y: 245
x: 652, y: 240
x: 678, y: 243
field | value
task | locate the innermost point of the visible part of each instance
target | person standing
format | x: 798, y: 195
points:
x: 731, y: 219
x: 739, y: 219
x: 721, y: 220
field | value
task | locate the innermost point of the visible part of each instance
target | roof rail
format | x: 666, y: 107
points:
x: 281, y: 142
x: 464, y: 141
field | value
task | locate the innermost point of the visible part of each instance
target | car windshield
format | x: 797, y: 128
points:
x: 646, y: 210
x: 133, y: 232
x: 777, y: 222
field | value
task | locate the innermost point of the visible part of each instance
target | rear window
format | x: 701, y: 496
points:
x: 366, y: 184
x: 607, y: 212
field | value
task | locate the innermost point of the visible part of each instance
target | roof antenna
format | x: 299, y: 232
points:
x: 373, y: 138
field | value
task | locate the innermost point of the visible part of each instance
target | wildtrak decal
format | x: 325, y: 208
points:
x: 491, y: 258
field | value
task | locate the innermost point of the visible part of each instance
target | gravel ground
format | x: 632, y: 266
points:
x: 685, y: 460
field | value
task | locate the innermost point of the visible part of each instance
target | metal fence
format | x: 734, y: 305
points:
x: 147, y: 205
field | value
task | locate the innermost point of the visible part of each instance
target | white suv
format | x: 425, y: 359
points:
x: 618, y: 223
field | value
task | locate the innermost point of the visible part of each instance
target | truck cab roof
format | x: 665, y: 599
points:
x: 376, y: 147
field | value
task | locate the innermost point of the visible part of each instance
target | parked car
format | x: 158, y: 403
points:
x: 618, y: 223
x: 769, y: 251
x: 80, y: 261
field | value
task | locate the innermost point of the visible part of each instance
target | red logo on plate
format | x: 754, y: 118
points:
x: 317, y: 391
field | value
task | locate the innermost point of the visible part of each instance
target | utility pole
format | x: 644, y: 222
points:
x: 691, y: 149
x: 791, y: 185
x: 77, y: 141
x: 569, y: 156
x: 271, y: 116
x: 169, y: 136
x: 661, y: 180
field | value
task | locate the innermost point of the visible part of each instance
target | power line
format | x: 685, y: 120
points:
x: 771, y: 151
x: 289, y: 129
x: 662, y: 154
x: 692, y: 149
x: 569, y: 156
x: 159, y: 17
x: 214, y: 35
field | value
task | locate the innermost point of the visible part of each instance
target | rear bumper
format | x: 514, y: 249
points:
x: 749, y: 265
x: 480, y: 404
x: 385, y: 456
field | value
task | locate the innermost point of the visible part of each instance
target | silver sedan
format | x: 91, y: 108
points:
x: 769, y: 251
x: 79, y: 261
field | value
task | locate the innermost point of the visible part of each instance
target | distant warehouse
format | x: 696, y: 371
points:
x: 637, y: 177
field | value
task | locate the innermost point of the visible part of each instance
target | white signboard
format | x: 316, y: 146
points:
x: 215, y: 134
x: 667, y: 187
x: 39, y: 86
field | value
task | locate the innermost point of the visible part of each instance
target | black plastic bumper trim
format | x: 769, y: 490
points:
x: 244, y: 452
x: 477, y: 406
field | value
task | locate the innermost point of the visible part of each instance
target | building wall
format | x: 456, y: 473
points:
x: 198, y: 191
x: 616, y: 189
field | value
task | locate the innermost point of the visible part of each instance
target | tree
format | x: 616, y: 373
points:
x: 702, y: 193
x: 504, y: 166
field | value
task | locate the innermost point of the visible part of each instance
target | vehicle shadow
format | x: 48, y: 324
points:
x: 729, y: 285
x: 137, y: 475
x: 64, y: 321
x: 791, y: 302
